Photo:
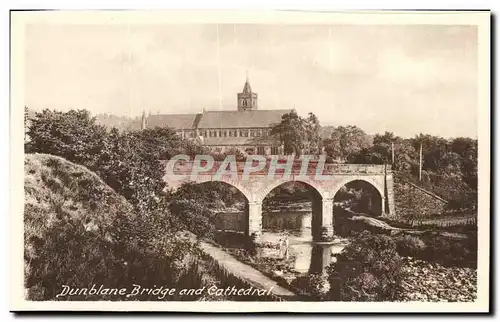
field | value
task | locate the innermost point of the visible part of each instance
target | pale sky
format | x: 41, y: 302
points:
x: 403, y: 79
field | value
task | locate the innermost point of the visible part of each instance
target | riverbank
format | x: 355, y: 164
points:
x: 425, y: 281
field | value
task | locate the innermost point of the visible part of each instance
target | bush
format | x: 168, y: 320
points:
x: 454, y: 252
x: 410, y: 246
x: 368, y: 269
x: 314, y: 286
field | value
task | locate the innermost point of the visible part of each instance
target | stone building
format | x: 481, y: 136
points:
x: 246, y: 128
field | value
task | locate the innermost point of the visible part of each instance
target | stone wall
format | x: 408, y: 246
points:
x: 231, y: 221
x: 300, y: 220
x: 412, y: 201
x: 237, y: 221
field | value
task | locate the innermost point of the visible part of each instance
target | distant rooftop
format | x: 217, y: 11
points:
x: 240, y: 119
x: 176, y: 121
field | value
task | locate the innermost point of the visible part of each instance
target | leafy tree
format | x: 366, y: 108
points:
x: 405, y: 157
x: 239, y: 156
x: 290, y: 132
x: 313, y: 142
x: 386, y: 138
x: 132, y: 163
x: 467, y: 149
x: 75, y: 135
x: 345, y: 142
x: 433, y: 150
x: 299, y: 135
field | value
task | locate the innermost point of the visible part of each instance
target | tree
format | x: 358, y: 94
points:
x: 290, y: 132
x: 299, y: 135
x: 132, y: 163
x: 406, y: 157
x: 386, y: 138
x: 345, y: 141
x: 467, y: 149
x: 313, y: 144
x: 74, y: 135
x: 433, y: 149
x: 239, y: 156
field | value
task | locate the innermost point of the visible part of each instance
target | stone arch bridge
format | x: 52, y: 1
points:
x: 255, y: 186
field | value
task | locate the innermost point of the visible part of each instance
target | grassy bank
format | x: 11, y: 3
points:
x: 79, y: 232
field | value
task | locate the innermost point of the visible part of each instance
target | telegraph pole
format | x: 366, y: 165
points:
x: 420, y: 164
x: 392, y: 152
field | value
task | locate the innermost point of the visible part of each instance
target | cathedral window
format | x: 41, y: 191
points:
x: 260, y: 150
x: 274, y: 150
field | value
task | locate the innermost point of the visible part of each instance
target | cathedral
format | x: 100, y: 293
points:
x: 246, y: 128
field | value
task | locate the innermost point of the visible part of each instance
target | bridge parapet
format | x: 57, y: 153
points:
x: 313, y: 168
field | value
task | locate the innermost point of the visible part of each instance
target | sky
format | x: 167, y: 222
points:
x: 406, y: 79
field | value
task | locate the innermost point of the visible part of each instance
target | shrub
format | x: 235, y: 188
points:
x: 447, y: 251
x: 410, y: 246
x: 369, y: 269
x: 312, y: 285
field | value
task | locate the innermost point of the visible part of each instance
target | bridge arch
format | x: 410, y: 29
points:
x: 237, y: 218
x: 260, y: 196
x: 375, y: 186
x: 307, y: 223
x: 335, y: 189
x: 247, y: 193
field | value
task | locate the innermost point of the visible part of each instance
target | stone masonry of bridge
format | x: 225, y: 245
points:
x: 258, y: 184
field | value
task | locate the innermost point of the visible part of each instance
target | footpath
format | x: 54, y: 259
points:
x: 245, y: 272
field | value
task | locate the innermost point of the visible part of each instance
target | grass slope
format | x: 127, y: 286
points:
x: 73, y: 227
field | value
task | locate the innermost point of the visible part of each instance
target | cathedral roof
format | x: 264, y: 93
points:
x: 238, y: 141
x: 176, y: 121
x: 240, y: 119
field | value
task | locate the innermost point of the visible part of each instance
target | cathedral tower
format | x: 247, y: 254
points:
x: 247, y: 100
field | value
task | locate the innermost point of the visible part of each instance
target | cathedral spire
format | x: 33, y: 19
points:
x: 247, y: 89
x: 247, y: 100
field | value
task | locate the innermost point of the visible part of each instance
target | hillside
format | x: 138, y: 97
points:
x: 79, y: 232
x: 68, y: 221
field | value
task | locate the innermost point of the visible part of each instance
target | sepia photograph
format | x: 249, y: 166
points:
x: 244, y: 162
